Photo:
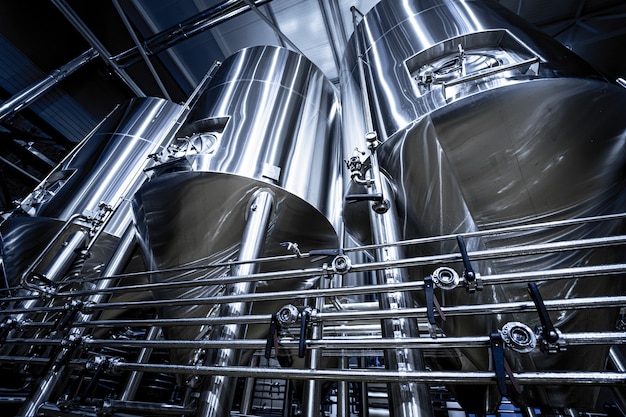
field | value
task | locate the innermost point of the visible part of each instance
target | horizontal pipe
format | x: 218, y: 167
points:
x: 441, y: 238
x: 571, y: 339
x: 580, y: 272
x: 31, y: 93
x: 402, y: 263
x: 431, y: 377
x: 186, y: 29
x: 498, y: 279
x: 463, y: 310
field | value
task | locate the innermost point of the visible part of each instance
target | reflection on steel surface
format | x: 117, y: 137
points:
x: 486, y: 123
x: 212, y: 260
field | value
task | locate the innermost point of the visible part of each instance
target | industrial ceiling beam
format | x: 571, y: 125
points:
x: 186, y: 29
x: 36, y: 90
x: 95, y: 43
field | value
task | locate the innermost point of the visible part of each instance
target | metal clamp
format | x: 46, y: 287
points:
x: 71, y: 310
x: 6, y: 328
x: 519, y: 337
x: 341, y: 264
x: 446, y: 278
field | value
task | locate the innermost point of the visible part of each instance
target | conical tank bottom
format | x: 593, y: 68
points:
x: 198, y: 218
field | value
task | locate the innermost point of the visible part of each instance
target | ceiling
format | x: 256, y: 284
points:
x: 178, y: 42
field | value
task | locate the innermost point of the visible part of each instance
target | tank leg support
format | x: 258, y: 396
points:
x: 217, y: 395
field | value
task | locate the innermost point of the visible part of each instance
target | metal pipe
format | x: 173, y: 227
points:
x: 617, y: 360
x: 406, y: 399
x: 430, y: 377
x: 400, y: 263
x: 463, y: 310
x: 27, y: 175
x: 132, y: 383
x: 312, y: 389
x: 186, y: 29
x: 557, y: 223
x: 142, y: 52
x: 343, y: 391
x: 31, y: 93
x: 501, y: 230
x: 56, y: 374
x: 217, y: 395
x: 578, y: 272
x: 355, y: 342
x: 95, y: 43
x: 245, y: 407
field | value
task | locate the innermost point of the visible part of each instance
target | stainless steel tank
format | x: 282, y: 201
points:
x: 262, y: 138
x: 90, y: 190
x: 75, y: 224
x: 485, y: 122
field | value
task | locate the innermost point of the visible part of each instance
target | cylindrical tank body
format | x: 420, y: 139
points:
x: 485, y: 122
x: 267, y: 120
x: 98, y: 177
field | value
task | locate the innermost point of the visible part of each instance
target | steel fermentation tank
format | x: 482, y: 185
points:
x: 485, y: 122
x: 266, y: 126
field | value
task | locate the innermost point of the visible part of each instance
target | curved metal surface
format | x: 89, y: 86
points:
x: 505, y: 148
x: 106, y: 168
x: 274, y: 118
x: 394, y: 34
x: 268, y: 119
x: 109, y: 163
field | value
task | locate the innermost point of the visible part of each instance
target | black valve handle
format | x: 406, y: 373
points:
x: 469, y: 273
x: 304, y: 323
x: 549, y: 332
x: 271, y: 334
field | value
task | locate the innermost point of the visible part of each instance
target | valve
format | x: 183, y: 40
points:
x: 446, y: 278
x: 341, y: 264
x: 304, y: 324
x: 287, y: 315
x: 292, y: 247
x: 519, y: 337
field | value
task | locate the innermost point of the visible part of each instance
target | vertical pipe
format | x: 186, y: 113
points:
x: 217, y: 396
x: 617, y: 360
x: 57, y: 375
x: 245, y: 407
x: 343, y: 391
x: 406, y: 399
x: 312, y: 388
x: 364, y: 410
x: 132, y: 383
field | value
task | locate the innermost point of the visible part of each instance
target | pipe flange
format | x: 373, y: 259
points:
x: 446, y: 278
x: 287, y: 315
x: 519, y: 337
x: 341, y: 264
